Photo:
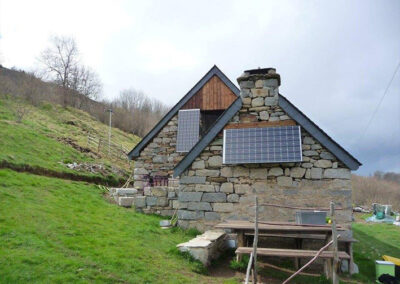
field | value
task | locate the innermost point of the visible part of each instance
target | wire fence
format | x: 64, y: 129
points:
x: 101, y: 146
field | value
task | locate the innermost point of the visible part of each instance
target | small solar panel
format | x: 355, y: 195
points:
x: 262, y: 145
x: 188, y: 129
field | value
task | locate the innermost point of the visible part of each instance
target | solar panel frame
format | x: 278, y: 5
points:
x: 188, y: 129
x: 262, y: 145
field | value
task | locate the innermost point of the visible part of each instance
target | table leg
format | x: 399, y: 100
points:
x: 297, y: 261
x: 240, y: 243
x: 351, y: 261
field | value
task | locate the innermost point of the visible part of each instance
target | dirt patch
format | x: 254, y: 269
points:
x: 69, y: 141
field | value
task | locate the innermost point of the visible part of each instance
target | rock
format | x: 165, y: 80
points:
x: 211, y: 216
x: 140, y: 171
x: 159, y: 159
x: 223, y: 207
x: 171, y: 194
x: 246, y: 84
x: 337, y: 173
x: 159, y: 191
x: 189, y: 196
x: 198, y: 165
x: 240, y: 171
x: 246, y: 101
x: 226, y: 187
x: 192, y: 179
x: 260, y: 93
x: 274, y: 119
x: 264, y: 115
x: 217, y: 179
x: 316, y: 147
x: 335, y: 165
x: 190, y: 215
x: 258, y: 173
x: 215, y: 162
x: 216, y: 148
x: 310, y: 153
x: 284, y: 181
x: 140, y: 201
x: 275, y: 171
x: 204, y: 206
x: 316, y: 173
x: 226, y: 172
x: 327, y: 156
x: 308, y: 174
x: 162, y: 201
x: 297, y: 172
x: 233, y: 198
x: 151, y: 200
x: 175, y: 204
x: 125, y: 191
x: 284, y: 117
x: 207, y: 173
x: 214, y: 197
x: 242, y: 188
x: 204, y: 188
x: 308, y: 140
x: 259, y: 84
x: 271, y: 101
x: 323, y: 164
x: 307, y: 165
x: 260, y: 186
x: 271, y: 83
x: 257, y: 102
x: 125, y: 201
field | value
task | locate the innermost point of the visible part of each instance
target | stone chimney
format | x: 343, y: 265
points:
x: 259, y: 89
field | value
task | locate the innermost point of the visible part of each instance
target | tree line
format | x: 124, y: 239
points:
x: 62, y: 78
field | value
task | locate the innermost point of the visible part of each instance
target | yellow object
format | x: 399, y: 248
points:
x: 396, y: 261
x: 329, y: 221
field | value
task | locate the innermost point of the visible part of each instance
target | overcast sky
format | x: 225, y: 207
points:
x: 335, y: 58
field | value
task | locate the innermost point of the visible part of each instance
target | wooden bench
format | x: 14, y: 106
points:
x: 296, y: 253
x: 303, y: 236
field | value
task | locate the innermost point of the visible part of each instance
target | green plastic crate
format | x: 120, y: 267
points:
x: 383, y: 267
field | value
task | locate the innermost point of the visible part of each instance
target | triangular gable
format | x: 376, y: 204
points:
x: 337, y: 150
x: 214, y: 71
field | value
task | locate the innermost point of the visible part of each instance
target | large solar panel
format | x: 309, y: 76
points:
x: 188, y: 129
x: 262, y: 145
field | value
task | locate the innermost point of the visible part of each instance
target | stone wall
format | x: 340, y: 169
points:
x: 210, y: 192
x: 159, y: 157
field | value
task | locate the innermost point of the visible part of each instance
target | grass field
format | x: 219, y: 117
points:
x: 37, y: 140
x: 56, y: 231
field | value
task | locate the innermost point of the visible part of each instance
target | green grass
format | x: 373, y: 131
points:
x: 36, y: 141
x: 375, y: 240
x: 57, y: 231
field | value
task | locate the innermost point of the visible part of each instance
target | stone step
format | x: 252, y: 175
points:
x: 125, y: 201
x: 125, y: 191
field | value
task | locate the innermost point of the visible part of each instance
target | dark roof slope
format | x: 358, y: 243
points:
x: 337, y: 150
x: 344, y: 156
x: 213, y: 71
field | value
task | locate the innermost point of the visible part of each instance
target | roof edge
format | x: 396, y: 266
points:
x: 351, y: 162
x: 157, y: 128
x: 208, y: 137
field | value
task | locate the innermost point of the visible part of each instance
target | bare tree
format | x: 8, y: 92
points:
x: 86, y: 82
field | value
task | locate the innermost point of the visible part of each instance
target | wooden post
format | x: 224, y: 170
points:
x: 255, y: 242
x: 335, y: 263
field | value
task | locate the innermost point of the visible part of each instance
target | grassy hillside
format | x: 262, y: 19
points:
x: 53, y: 230
x: 50, y: 136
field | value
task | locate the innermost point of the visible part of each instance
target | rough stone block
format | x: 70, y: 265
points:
x: 327, y: 156
x: 171, y: 194
x: 190, y: 215
x: 258, y: 173
x: 140, y: 171
x: 192, y: 180
x: 264, y: 115
x: 211, y: 216
x: 275, y: 171
x: 259, y: 84
x: 151, y: 200
x: 214, y: 197
x: 242, y: 188
x: 226, y: 187
x: 125, y: 201
x: 204, y: 206
x: 307, y: 165
x: 198, y: 165
x: 271, y: 83
x: 162, y: 201
x: 159, y: 191
x: 223, y: 207
x: 284, y: 117
x: 175, y: 204
x: 257, y: 102
x: 284, y: 181
x: 337, y: 173
x: 140, y: 201
x: 260, y: 186
x: 240, y: 172
x: 233, y: 198
x: 125, y: 191
x: 297, y: 172
x: 316, y: 173
x: 271, y: 101
x: 215, y: 162
x: 260, y: 92
x: 216, y: 148
x: 159, y: 159
x: 226, y: 172
x: 323, y: 164
x: 309, y: 153
x: 207, y: 173
x: 247, y: 84
x: 189, y: 196
x: 204, y: 188
x: 308, y: 140
x: 246, y: 101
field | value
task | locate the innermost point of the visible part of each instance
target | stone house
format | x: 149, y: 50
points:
x: 219, y: 146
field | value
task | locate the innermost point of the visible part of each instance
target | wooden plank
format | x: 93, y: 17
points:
x: 245, y: 225
x: 291, y: 252
x: 302, y: 236
x: 288, y: 122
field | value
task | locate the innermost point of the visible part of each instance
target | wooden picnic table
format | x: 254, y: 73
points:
x: 298, y: 232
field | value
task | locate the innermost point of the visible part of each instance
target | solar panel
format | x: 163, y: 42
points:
x: 262, y: 145
x: 188, y: 129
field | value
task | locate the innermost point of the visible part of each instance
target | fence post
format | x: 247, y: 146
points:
x: 335, y: 263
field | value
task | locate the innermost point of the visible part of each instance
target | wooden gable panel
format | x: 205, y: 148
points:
x: 214, y: 95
